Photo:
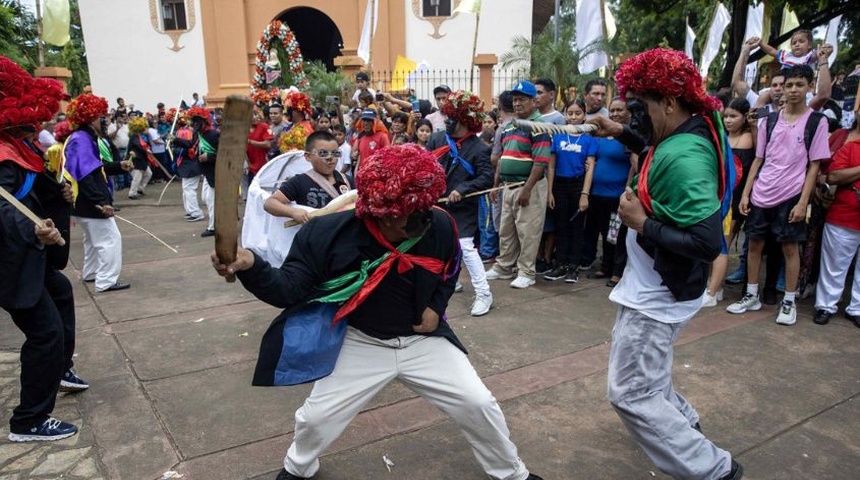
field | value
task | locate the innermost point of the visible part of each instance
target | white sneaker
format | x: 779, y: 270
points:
x: 482, y: 305
x: 522, y: 282
x: 749, y: 302
x: 458, y: 288
x: 712, y: 300
x: 787, y: 313
x: 495, y: 274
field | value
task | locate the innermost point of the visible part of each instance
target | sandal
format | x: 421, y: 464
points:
x: 597, y: 275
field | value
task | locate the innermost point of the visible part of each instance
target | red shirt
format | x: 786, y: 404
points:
x: 845, y: 210
x: 368, y: 144
x: 257, y: 155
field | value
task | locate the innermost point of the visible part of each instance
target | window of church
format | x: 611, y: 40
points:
x: 173, y: 15
x: 436, y: 8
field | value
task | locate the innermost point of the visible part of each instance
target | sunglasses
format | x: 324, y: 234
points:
x: 324, y: 154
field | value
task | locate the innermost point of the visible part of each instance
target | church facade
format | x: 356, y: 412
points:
x: 165, y: 50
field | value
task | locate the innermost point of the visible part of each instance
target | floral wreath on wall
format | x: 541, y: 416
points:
x: 261, y: 90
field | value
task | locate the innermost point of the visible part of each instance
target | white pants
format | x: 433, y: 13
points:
x: 838, y: 246
x: 189, y: 196
x: 368, y: 364
x: 139, y: 180
x: 475, y: 266
x: 209, y: 200
x: 102, y: 251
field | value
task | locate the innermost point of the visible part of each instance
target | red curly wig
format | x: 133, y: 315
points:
x: 199, y: 112
x: 397, y: 181
x: 300, y: 102
x: 665, y: 73
x: 85, y: 108
x: 25, y: 100
x: 62, y: 130
x: 465, y: 107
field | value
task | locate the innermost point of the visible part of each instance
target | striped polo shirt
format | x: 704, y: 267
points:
x: 521, y: 150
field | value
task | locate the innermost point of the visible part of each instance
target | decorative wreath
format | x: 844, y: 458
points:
x: 282, y: 33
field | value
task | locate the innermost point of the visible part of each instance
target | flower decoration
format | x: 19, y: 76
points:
x: 137, y: 125
x: 171, y: 114
x: 293, y: 139
x: 85, y: 108
x: 25, y: 100
x: 398, y: 181
x: 62, y: 130
x: 465, y: 107
x: 200, y: 112
x: 280, y: 32
x: 298, y: 101
x: 667, y: 73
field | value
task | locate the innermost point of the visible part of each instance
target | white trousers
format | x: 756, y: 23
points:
x: 209, y: 200
x: 189, y: 196
x: 366, y: 365
x: 475, y: 266
x: 102, y: 251
x: 838, y: 246
x: 139, y: 180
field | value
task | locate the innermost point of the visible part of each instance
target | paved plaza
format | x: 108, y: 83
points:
x: 170, y: 362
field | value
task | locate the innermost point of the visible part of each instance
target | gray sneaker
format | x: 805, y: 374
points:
x: 482, y: 305
x: 748, y: 302
x: 787, y: 313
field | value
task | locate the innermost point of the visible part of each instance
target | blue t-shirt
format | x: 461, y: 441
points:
x: 611, y: 169
x: 571, y: 152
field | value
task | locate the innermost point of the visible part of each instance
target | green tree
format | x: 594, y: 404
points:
x: 17, y: 34
x: 323, y: 83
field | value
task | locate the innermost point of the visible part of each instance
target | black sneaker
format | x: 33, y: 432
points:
x: 208, y: 233
x: 822, y: 317
x: 285, y: 475
x: 532, y: 476
x: 51, y: 429
x: 572, y: 276
x: 556, y: 273
x: 72, y: 383
x: 736, y: 473
x: 542, y: 267
x: 853, y: 318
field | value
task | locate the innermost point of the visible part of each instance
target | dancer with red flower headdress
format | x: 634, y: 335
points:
x: 387, y: 269
x: 89, y: 161
x: 466, y: 161
x: 200, y: 150
x: 37, y: 296
x: 675, y: 210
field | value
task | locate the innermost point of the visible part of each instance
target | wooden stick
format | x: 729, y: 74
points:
x: 228, y: 173
x: 334, y: 206
x: 26, y: 212
x: 158, y: 204
x: 146, y: 232
x: 475, y: 194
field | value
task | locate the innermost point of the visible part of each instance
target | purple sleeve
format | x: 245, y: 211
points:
x: 820, y: 150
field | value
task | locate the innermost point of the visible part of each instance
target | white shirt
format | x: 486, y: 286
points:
x: 437, y: 119
x: 641, y: 288
x: 120, y: 141
x: 345, y: 152
x: 155, y: 142
x: 358, y: 91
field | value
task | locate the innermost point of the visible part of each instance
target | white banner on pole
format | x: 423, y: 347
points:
x: 715, y: 38
x: 589, y: 28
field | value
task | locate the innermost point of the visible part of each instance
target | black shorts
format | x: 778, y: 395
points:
x: 760, y: 221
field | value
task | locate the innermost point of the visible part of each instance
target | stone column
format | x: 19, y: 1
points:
x: 224, y: 46
x: 485, y: 63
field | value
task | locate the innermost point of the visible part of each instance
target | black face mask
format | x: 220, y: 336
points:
x: 418, y: 223
x: 450, y: 126
x: 640, y: 121
x: 103, y: 124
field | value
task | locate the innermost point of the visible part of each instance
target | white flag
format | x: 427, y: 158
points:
x: 691, y: 40
x: 832, y: 38
x: 755, y: 27
x: 715, y: 38
x: 589, y: 28
x: 372, y: 11
x: 469, y: 6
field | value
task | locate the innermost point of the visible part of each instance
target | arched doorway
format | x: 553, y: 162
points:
x: 318, y: 36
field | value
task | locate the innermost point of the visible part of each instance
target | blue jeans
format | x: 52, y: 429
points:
x: 640, y: 390
x: 489, y: 247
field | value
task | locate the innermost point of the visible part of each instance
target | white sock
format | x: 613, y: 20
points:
x: 752, y: 288
x: 789, y: 297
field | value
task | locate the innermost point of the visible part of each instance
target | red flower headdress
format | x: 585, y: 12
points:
x: 25, y: 100
x: 299, y: 101
x: 62, y: 130
x: 85, y: 108
x: 465, y: 107
x: 168, y: 117
x: 200, y: 112
x: 398, y: 181
x: 666, y: 73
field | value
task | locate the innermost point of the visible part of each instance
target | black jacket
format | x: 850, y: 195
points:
x: 137, y: 152
x: 477, y: 153
x: 682, y: 256
x: 329, y: 246
x: 93, y: 189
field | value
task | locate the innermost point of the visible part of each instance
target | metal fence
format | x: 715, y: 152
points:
x: 422, y: 82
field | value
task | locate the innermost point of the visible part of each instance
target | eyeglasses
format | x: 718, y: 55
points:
x: 327, y: 154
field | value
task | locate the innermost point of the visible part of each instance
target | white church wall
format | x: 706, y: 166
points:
x: 127, y: 58
x: 500, y: 22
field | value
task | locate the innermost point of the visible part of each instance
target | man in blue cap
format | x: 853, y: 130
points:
x: 371, y: 138
x: 524, y: 158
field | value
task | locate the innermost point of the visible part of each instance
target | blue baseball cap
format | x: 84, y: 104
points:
x: 525, y: 88
x: 368, y: 114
